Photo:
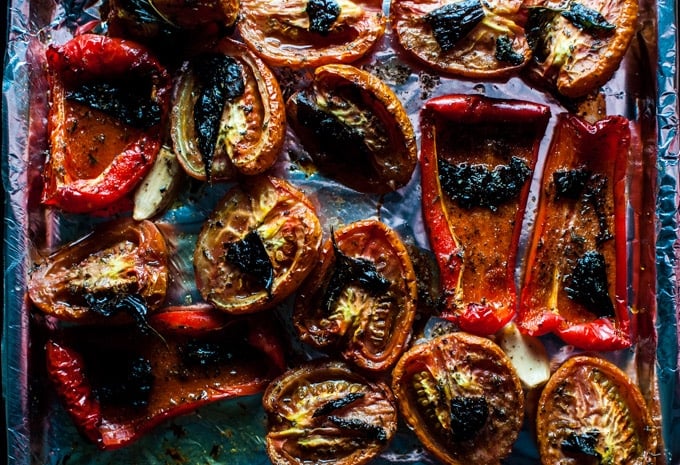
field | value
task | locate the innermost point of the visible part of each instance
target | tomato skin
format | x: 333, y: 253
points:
x: 121, y: 257
x: 269, y: 29
x: 431, y: 375
x: 479, y: 302
x: 474, y: 55
x: 368, y: 240
x: 589, y: 393
x: 601, y: 149
x: 287, y: 224
x: 178, y: 387
x: 391, y: 160
x: 90, y: 57
x: 261, y: 106
x: 297, y: 407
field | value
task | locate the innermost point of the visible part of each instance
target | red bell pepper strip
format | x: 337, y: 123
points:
x: 95, y: 158
x: 575, y: 283
x: 187, y: 367
x: 474, y: 231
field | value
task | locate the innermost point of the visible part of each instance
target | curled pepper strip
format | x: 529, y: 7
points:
x: 201, y: 357
x: 572, y: 226
x: 476, y: 246
x: 70, y: 183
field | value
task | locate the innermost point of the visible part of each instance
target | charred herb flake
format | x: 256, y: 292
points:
x: 505, y: 52
x: 587, y: 19
x: 373, y: 432
x: 222, y: 81
x: 468, y: 416
x: 336, y: 404
x: 476, y: 185
x: 350, y: 270
x: 131, y: 104
x: 322, y: 15
x: 587, y: 284
x: 451, y: 22
x: 250, y: 256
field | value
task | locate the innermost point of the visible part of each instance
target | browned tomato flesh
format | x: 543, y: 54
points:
x: 461, y: 396
x: 119, y: 259
x: 470, y: 38
x: 361, y: 298
x: 591, y: 412
x: 324, y: 412
x: 258, y: 245
x: 252, y: 125
x: 355, y: 129
x: 300, y: 33
x: 577, y: 46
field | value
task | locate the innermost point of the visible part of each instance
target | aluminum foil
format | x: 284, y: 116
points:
x: 231, y: 432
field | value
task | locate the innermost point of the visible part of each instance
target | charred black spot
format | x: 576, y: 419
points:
x: 476, y: 185
x: 540, y: 25
x: 350, y: 270
x: 373, y: 432
x: 111, y: 303
x: 336, y: 138
x: 250, y: 256
x: 582, y: 444
x: 587, y: 284
x: 336, y: 404
x: 126, y: 383
x: 468, y: 416
x: 570, y: 184
x: 221, y: 80
x: 454, y: 21
x: 129, y: 102
x: 322, y: 15
x: 505, y: 53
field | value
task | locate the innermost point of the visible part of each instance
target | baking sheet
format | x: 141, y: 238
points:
x: 39, y: 430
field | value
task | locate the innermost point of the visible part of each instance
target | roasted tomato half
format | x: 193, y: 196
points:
x: 471, y: 38
x: 477, y: 160
x: 120, y: 268
x: 361, y: 298
x: 591, y: 412
x: 461, y: 396
x: 576, y: 278
x: 324, y: 412
x: 258, y: 245
x: 578, y: 45
x: 355, y: 129
x: 156, y: 19
x: 117, y: 383
x: 228, y: 116
x: 109, y: 100
x: 310, y: 33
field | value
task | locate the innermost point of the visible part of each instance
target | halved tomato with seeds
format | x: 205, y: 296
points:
x: 309, y: 33
x: 355, y: 129
x: 122, y: 267
x: 362, y: 296
x: 591, y: 412
x: 228, y: 115
x: 258, y: 245
x: 578, y: 45
x: 324, y: 412
x: 470, y: 38
x: 461, y: 396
